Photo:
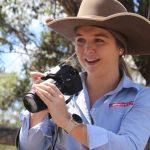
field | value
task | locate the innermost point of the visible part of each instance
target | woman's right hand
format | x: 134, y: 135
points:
x: 36, y: 118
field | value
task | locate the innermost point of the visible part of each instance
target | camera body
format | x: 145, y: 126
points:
x: 65, y: 77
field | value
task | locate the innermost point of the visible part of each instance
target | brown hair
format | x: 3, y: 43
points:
x: 121, y: 42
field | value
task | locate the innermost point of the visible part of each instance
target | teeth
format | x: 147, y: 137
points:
x: 91, y: 60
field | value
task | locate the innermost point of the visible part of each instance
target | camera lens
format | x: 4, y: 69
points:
x: 30, y: 103
x: 33, y: 103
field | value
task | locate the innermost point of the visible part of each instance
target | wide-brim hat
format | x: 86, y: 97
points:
x: 112, y: 15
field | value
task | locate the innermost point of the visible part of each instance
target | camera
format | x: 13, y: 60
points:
x: 65, y: 77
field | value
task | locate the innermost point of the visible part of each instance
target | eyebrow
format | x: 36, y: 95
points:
x: 96, y: 35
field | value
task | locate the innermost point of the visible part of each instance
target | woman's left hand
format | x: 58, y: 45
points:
x: 54, y: 99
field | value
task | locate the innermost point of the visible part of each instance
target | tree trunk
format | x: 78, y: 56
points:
x: 129, y: 4
x: 8, y: 135
x: 71, y: 7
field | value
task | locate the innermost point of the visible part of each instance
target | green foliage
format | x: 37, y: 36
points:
x: 5, y: 147
x: 8, y: 84
x: 143, y: 63
x: 129, y: 4
x: 12, y: 90
x: 53, y: 50
x: 23, y: 84
x: 17, y: 15
x: 143, y: 7
x: 4, y: 30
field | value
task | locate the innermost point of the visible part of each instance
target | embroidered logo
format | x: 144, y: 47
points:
x: 122, y: 104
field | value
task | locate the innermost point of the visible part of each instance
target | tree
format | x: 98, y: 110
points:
x: 8, y: 83
x: 51, y: 46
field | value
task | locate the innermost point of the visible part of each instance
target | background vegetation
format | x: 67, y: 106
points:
x: 39, y: 49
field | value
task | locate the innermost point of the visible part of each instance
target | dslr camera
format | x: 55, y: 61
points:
x: 65, y: 77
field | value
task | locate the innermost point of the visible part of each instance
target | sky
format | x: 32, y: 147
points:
x: 13, y: 61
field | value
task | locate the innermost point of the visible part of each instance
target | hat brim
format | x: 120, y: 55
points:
x: 133, y: 26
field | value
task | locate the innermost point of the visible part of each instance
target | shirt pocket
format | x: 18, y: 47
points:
x: 115, y: 115
x: 120, y: 108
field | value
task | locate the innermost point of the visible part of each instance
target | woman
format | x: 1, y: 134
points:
x: 114, y: 110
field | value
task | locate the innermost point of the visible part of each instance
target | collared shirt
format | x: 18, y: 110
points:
x: 120, y: 120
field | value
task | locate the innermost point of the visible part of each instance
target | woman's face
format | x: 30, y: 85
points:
x: 96, y: 49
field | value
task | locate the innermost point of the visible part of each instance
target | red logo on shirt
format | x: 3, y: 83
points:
x: 123, y: 104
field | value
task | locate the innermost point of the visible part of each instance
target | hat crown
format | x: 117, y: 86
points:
x: 102, y: 8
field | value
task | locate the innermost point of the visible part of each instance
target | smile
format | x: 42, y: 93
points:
x: 92, y: 61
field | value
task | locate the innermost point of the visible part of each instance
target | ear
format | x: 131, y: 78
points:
x: 121, y: 51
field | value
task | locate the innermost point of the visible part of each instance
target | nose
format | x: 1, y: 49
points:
x: 89, y: 47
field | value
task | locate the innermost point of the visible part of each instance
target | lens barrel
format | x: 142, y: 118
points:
x: 33, y: 103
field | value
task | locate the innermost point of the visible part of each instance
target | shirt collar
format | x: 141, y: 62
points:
x: 125, y: 83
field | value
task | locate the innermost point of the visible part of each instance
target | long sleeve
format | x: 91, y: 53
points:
x: 134, y: 130
x: 37, y: 138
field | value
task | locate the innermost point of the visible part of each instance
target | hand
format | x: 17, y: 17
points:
x: 54, y: 99
x: 36, y: 118
x: 36, y: 77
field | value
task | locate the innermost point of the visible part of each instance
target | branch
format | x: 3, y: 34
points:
x: 70, y: 7
x: 21, y: 53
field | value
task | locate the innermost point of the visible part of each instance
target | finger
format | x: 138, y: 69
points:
x: 47, y: 88
x: 36, y: 76
x: 54, y: 87
x: 44, y: 95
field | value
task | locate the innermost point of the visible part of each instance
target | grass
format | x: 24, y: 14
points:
x: 5, y: 147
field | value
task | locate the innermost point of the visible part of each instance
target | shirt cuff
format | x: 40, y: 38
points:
x: 40, y: 134
x: 44, y: 126
x: 97, y: 136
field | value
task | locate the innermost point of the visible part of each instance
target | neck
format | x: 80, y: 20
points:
x: 99, y: 85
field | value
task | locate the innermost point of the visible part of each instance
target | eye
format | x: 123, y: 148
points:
x: 98, y: 40
x: 80, y: 41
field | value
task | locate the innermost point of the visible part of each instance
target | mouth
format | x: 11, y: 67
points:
x: 92, y: 61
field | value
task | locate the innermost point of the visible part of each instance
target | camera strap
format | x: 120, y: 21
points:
x: 17, y: 139
x: 69, y: 99
x: 52, y: 147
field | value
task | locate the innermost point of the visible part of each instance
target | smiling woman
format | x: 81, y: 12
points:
x: 115, y: 111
